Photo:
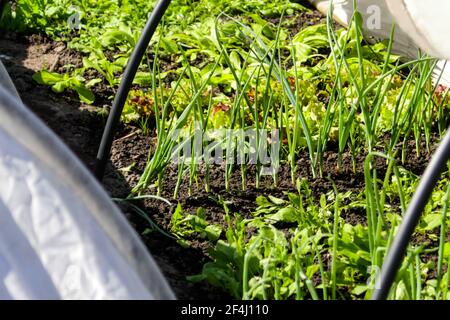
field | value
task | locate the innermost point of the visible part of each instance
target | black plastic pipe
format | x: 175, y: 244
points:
x: 420, y: 199
x: 125, y: 86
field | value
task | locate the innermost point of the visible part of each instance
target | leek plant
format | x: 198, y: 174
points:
x: 375, y: 205
x: 256, y: 72
x: 441, y: 283
x: 167, y: 136
x: 265, y: 54
x: 243, y: 82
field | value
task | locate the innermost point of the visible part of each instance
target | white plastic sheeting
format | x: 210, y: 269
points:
x: 6, y: 82
x: 61, y: 237
x: 427, y: 22
x: 45, y: 225
x: 423, y: 24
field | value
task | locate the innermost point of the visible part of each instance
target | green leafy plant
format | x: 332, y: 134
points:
x: 63, y: 82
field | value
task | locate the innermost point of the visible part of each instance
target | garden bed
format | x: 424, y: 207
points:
x: 80, y: 125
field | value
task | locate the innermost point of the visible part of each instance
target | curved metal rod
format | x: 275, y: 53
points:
x: 420, y: 199
x: 125, y: 86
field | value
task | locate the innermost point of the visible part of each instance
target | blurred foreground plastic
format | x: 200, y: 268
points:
x: 61, y: 236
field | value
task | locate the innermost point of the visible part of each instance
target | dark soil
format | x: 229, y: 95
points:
x: 132, y: 150
x: 74, y: 122
x: 80, y: 126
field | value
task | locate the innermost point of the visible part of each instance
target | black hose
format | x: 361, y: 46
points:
x: 420, y: 199
x: 125, y: 86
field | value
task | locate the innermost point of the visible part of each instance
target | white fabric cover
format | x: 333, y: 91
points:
x: 427, y: 22
x: 49, y: 241
x: 61, y: 237
x: 419, y: 20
